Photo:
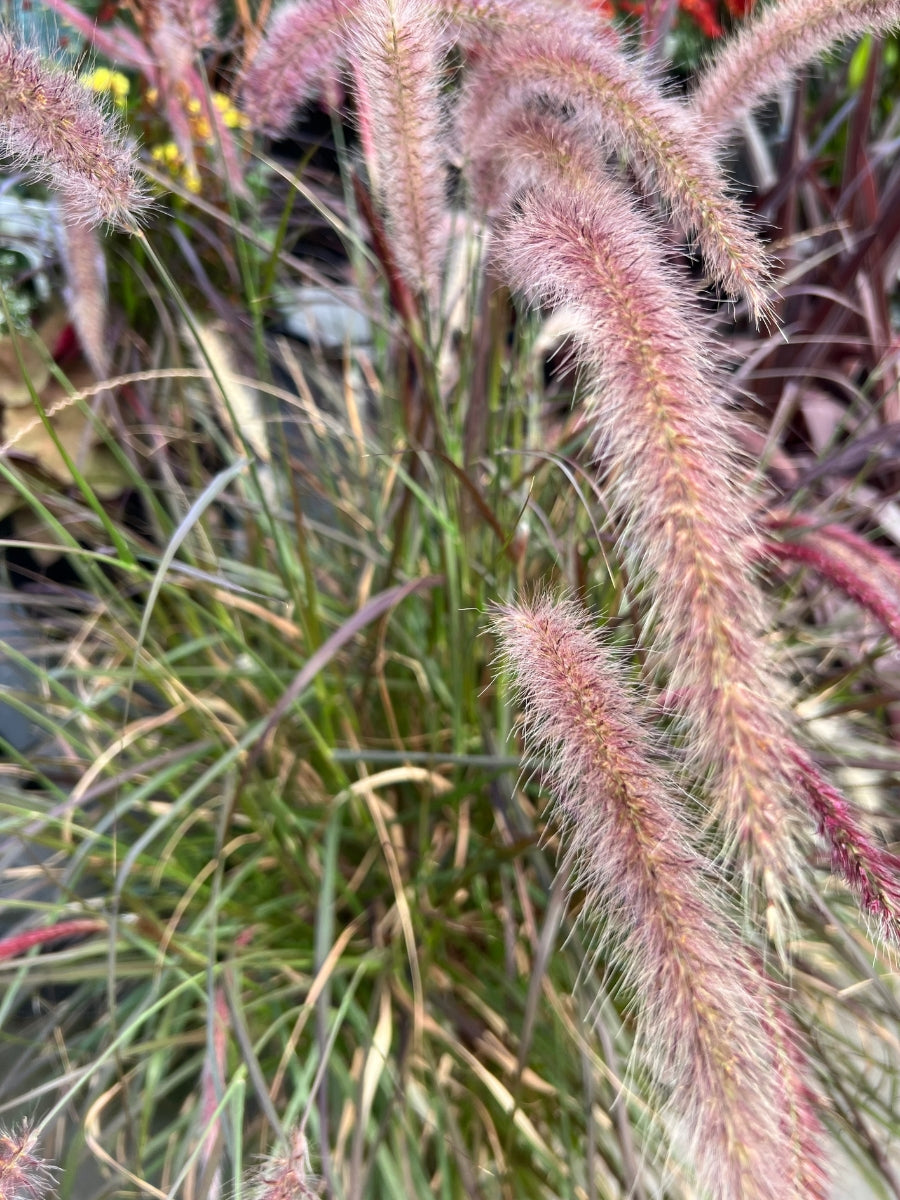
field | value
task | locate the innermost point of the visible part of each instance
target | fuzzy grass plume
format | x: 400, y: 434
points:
x: 86, y: 289
x: 288, y: 1175
x: 678, y: 489
x: 52, y: 126
x: 772, y: 46
x: 593, y: 81
x: 396, y: 50
x: 299, y: 56
x: 702, y: 1008
x: 24, y: 1175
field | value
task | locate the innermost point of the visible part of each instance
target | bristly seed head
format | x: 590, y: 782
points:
x: 286, y: 1176
x: 23, y: 1174
x: 704, y: 1011
x: 53, y: 126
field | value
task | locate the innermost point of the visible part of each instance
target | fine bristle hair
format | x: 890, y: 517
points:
x: 590, y: 79
x: 286, y: 1175
x: 24, y: 1175
x: 299, y: 57
x: 704, y: 1016
x: 766, y: 51
x: 678, y: 491
x: 872, y: 872
x: 396, y: 47
x: 84, y: 263
x: 54, y: 128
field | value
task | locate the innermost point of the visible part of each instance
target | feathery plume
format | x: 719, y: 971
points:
x: 851, y: 574
x: 18, y: 943
x: 677, y: 489
x: 179, y: 30
x: 477, y: 24
x: 861, y: 570
x: 769, y: 48
x: 299, y: 55
x: 802, y: 1100
x: 287, y: 1176
x: 51, y: 125
x: 196, y: 18
x: 23, y: 1175
x: 870, y: 871
x: 615, y: 98
x: 702, y: 1011
x: 211, y: 1085
x: 85, y: 293
x: 395, y: 46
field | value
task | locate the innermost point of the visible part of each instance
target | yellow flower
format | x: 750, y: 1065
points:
x: 232, y: 118
x: 168, y: 154
x: 104, y: 80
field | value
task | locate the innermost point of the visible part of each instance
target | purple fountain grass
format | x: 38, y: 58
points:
x: 703, y: 1010
x: 196, y: 19
x: 677, y: 489
x: 304, y: 45
x: 769, y: 48
x: 287, y: 1176
x: 84, y: 263
x: 299, y: 56
x: 477, y: 24
x: 52, y: 126
x: 23, y: 1174
x: 802, y: 1101
x: 871, y: 872
x: 620, y: 102
x: 833, y: 554
x: 179, y: 31
x: 396, y: 47
x: 526, y: 49
x: 517, y: 148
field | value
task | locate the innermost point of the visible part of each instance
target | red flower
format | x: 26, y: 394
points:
x: 704, y: 13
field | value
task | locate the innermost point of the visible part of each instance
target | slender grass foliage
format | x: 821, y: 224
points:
x: 281, y: 917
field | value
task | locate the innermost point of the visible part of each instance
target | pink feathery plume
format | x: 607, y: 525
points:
x: 802, y: 1101
x: 197, y: 18
x: 52, y: 126
x: 24, y: 1175
x: 871, y: 577
x: 84, y: 263
x: 704, y: 1023
x: 211, y: 1085
x: 298, y: 58
x: 872, y: 872
x: 396, y: 47
x: 287, y: 1175
x: 864, y: 572
x: 476, y: 25
x: 591, y: 80
x: 179, y: 31
x: 679, y: 492
x: 18, y: 943
x: 772, y: 46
